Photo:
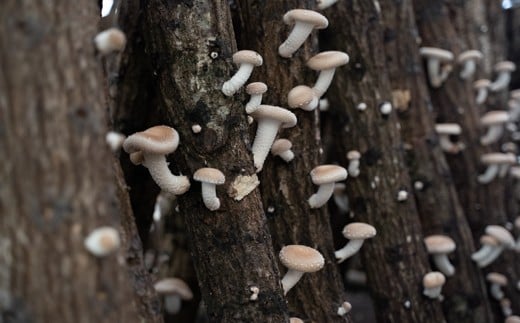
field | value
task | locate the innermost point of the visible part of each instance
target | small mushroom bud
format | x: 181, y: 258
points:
x: 302, y: 97
x: 504, y: 70
x: 495, y: 121
x: 325, y: 176
x: 247, y: 61
x: 326, y: 63
x: 256, y: 91
x: 299, y: 260
x: 344, y: 308
x: 110, y: 40
x: 209, y: 178
x: 505, y: 240
x: 357, y: 233
x: 115, y: 140
x: 497, y: 281
x: 340, y: 197
x: 282, y: 148
x: 469, y: 60
x: 445, y: 130
x: 488, y: 245
x: 439, y: 246
x: 432, y: 283
x: 175, y: 291
x: 482, y: 90
x: 435, y: 57
x: 496, y: 163
x: 102, y: 241
x: 304, y: 22
x: 353, y: 167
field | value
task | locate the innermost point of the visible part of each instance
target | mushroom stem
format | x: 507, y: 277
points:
x: 497, y: 250
x: 514, y: 110
x: 296, y: 38
x: 435, y: 73
x: 501, y: 82
x: 161, y: 174
x: 238, y: 80
x: 489, y: 175
x: 433, y: 292
x: 481, y: 95
x: 209, y: 196
x: 496, y: 292
x: 341, y: 201
x: 353, y: 168
x: 265, y: 135
x: 254, y: 102
x: 503, y: 170
x: 348, y: 250
x: 172, y: 304
x: 290, y: 279
x: 321, y: 197
x: 492, y: 135
x: 287, y: 156
x: 443, y: 264
x: 323, y: 82
x: 448, y: 146
x: 470, y: 66
x: 482, y: 253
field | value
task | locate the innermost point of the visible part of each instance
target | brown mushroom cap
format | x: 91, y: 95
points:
x: 248, y: 57
x: 494, y: 117
x: 286, y: 117
x: 439, y: 244
x: 174, y: 286
x: 161, y: 140
x: 137, y: 157
x: 281, y: 145
x: 482, y: 83
x: 471, y: 54
x: 327, y: 60
x: 501, y: 234
x: 325, y: 174
x: 307, y: 16
x: 496, y: 278
x: 301, y: 258
x: 256, y: 88
x: 498, y: 158
x: 433, y: 279
x: 209, y: 175
x: 359, y: 230
x: 505, y: 66
x: 448, y: 129
x: 433, y: 52
x: 299, y: 96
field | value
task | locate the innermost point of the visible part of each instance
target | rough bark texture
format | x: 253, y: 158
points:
x: 287, y: 186
x: 395, y: 260
x: 52, y: 125
x: 190, y: 45
x: 437, y: 202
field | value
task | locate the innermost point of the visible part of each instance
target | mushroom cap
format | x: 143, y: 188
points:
x: 496, y: 278
x: 161, y: 140
x: 512, y: 319
x: 247, y: 57
x: 471, y: 54
x: 174, y: 286
x: 501, y: 234
x: 494, y: 117
x: 325, y: 174
x: 515, y: 94
x: 327, y: 60
x: 115, y: 36
x: 433, y: 279
x: 280, y: 145
x: 307, y: 16
x: 489, y: 240
x: 433, y: 52
x: 295, y: 320
x: 438, y: 243
x: 286, y: 117
x: 353, y: 154
x: 102, y: 241
x: 448, y: 129
x: 482, y: 83
x: 137, y: 157
x: 301, y: 258
x: 359, y: 230
x: 498, y: 158
x: 209, y: 175
x: 256, y: 88
x: 505, y: 66
x: 299, y: 96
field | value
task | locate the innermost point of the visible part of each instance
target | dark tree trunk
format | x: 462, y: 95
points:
x: 286, y: 187
x: 395, y: 260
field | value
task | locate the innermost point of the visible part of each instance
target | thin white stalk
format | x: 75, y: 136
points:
x: 290, y: 279
x: 489, y: 175
x: 351, y: 248
x: 323, y: 82
x: 503, y: 170
x: 209, y: 196
x: 172, y: 304
x: 341, y: 200
x: 482, y: 253
x: 254, y: 102
x: 482, y: 95
x: 238, y: 80
x: 501, y: 83
x: 492, y: 135
x: 433, y: 66
x: 496, y: 291
x: 443, y: 264
x: 296, y: 38
x: 321, y: 197
x: 470, y: 66
x: 447, y: 145
x: 492, y: 256
x: 161, y: 174
x: 265, y: 135
x: 353, y: 168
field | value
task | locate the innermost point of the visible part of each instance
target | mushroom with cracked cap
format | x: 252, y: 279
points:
x: 482, y: 87
x: 326, y: 63
x: 302, y: 97
x: 497, y: 281
x: 299, y: 260
x: 325, y: 176
x: 304, y: 22
x: 435, y: 58
x: 505, y: 240
x: 209, y: 178
x: 504, y: 70
x: 110, y: 40
x: 496, y: 163
x: 495, y: 121
x: 439, y: 246
x: 102, y: 241
x: 175, y: 291
x: 153, y: 144
x: 357, y: 233
x: 247, y: 61
x: 256, y: 91
x: 445, y: 130
x: 282, y: 148
x: 469, y: 60
x: 432, y: 283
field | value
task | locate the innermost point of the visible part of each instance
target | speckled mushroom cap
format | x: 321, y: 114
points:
x: 505, y: 66
x: 498, y: 158
x: 482, y: 83
x: 281, y: 145
x: 286, y: 117
x: 433, y: 52
x: 325, y: 174
x: 174, y: 286
x: 301, y: 258
x: 512, y: 319
x: 327, y: 60
x: 299, y: 96
x: 472, y: 54
x: 489, y: 240
x: 161, y: 140
x: 359, y: 230
x: 496, y: 278
x: 439, y: 244
x: 353, y: 154
x: 248, y: 57
x: 501, y: 234
x: 209, y: 175
x: 433, y: 279
x: 256, y: 88
x: 295, y: 320
x: 494, y: 117
x: 318, y: 20
x: 448, y: 129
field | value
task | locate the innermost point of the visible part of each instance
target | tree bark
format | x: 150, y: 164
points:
x: 286, y: 187
x: 57, y: 180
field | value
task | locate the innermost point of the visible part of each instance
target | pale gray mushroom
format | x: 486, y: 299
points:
x: 482, y: 87
x: 438, y: 64
x: 247, y: 61
x: 115, y: 140
x: 304, y: 22
x: 504, y: 70
x: 432, y: 283
x: 353, y: 157
x: 325, y: 176
x: 344, y: 308
x: 495, y: 121
x: 302, y: 97
x: 439, y: 246
x: 497, y: 281
x: 505, y: 240
x: 326, y: 63
x: 469, y: 60
x: 496, y: 163
x: 256, y: 91
x: 357, y: 233
x: 102, y: 241
x: 174, y: 290
x: 299, y: 260
x: 489, y: 244
x: 110, y: 40
x: 282, y: 148
x: 445, y: 130
x: 209, y: 178
x: 324, y: 4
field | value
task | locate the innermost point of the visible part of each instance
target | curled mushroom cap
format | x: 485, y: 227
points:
x: 110, y: 40
x: 304, y: 22
x: 299, y: 260
x: 325, y: 176
x: 435, y: 57
x: 302, y: 97
x: 247, y: 60
x: 326, y: 63
x: 432, y: 283
x: 469, y: 59
x: 175, y: 290
x: 282, y: 148
x: 357, y: 233
x: 209, y: 177
x: 439, y: 246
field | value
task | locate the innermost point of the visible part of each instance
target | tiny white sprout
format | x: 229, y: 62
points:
x: 250, y: 120
x: 196, y: 128
x: 270, y: 209
x: 102, y: 241
x: 385, y: 108
x: 324, y: 104
x: 110, y: 40
x: 254, y: 293
x: 115, y: 140
x: 418, y: 185
x: 402, y: 195
x: 344, y: 308
x: 361, y: 106
x: 407, y: 304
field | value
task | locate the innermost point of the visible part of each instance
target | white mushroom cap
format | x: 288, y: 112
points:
x: 471, y: 54
x: 448, y: 129
x: 102, y: 241
x: 110, y: 40
x: 209, y: 175
x: 301, y: 258
x: 359, y: 230
x: 494, y: 117
x: 438, y: 53
x: 308, y: 16
x: 325, y: 174
x: 256, y: 88
x: 327, y: 60
x: 505, y: 66
x: 174, y: 286
x: 286, y: 117
x: 353, y: 154
x: 433, y: 279
x: 280, y: 146
x: 439, y: 244
x: 301, y: 96
x: 501, y: 234
x: 498, y: 158
x: 161, y: 140
x: 482, y: 83
x: 496, y: 278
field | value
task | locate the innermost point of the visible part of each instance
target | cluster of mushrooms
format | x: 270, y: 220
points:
x: 150, y: 147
